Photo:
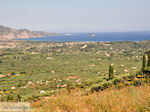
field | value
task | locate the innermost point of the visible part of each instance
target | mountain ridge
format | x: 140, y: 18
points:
x: 11, y: 33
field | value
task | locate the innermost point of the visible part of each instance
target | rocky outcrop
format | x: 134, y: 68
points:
x: 10, y: 33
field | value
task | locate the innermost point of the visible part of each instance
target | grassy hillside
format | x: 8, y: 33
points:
x: 129, y: 99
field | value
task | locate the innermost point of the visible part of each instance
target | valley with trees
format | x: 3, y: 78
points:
x: 76, y: 76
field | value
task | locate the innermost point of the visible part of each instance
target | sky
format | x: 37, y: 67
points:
x: 76, y: 15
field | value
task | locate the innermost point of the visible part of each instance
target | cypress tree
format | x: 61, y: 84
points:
x: 148, y: 61
x: 144, y: 63
x: 19, y: 98
x: 111, y: 72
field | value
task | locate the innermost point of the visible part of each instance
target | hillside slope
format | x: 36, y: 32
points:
x: 129, y: 99
x: 10, y: 33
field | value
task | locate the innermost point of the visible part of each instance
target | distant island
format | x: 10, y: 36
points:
x: 7, y: 33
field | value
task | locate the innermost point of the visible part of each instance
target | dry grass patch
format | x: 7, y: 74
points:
x: 129, y: 99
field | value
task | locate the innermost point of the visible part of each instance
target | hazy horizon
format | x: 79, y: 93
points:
x: 76, y: 16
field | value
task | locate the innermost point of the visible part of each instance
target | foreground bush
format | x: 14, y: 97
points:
x: 129, y: 99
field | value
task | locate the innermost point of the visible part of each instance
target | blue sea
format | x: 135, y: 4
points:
x: 112, y: 36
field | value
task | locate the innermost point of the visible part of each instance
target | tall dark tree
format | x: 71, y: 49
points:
x: 111, y: 72
x: 148, y: 61
x: 19, y: 98
x: 144, y: 63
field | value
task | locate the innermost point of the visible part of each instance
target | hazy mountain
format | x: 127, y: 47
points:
x: 11, y: 33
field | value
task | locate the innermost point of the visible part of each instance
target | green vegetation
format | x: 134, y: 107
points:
x: 111, y: 71
x: 148, y: 62
x: 30, y: 70
x: 144, y: 65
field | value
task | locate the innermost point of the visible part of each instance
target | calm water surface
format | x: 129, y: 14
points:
x: 122, y: 36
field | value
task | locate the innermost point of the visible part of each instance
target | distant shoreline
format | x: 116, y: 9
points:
x: 96, y: 37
